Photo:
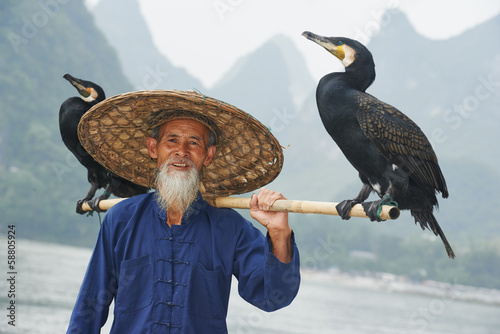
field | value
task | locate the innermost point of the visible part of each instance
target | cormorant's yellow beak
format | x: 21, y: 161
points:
x: 82, y: 90
x: 336, y: 50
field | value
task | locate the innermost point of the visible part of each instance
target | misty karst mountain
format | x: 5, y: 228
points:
x: 141, y: 61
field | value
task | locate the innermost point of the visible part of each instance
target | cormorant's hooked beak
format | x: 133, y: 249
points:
x: 336, y: 50
x: 77, y: 83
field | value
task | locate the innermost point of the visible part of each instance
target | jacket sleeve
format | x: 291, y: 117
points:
x: 98, y: 288
x: 263, y: 280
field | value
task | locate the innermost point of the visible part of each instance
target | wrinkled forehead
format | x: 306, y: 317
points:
x: 163, y: 117
x: 186, y: 127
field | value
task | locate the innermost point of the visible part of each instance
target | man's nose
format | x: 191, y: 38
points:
x: 183, y: 150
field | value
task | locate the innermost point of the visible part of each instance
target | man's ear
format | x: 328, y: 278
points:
x: 210, y: 155
x: 151, y: 144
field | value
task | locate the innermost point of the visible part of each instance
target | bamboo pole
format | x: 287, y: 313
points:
x: 104, y: 205
x: 326, y: 208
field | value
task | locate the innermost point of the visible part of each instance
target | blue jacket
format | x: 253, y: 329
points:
x: 177, y: 279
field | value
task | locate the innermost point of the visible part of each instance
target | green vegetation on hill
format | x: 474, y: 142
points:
x: 419, y: 256
x: 40, y: 181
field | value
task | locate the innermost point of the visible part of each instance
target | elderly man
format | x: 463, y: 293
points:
x: 167, y: 257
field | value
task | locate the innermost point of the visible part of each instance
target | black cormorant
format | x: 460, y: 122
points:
x: 391, y: 153
x: 70, y: 113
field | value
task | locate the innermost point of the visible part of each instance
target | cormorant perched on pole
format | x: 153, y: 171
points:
x: 391, y: 153
x: 70, y: 113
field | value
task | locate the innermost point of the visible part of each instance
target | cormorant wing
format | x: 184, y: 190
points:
x: 400, y: 141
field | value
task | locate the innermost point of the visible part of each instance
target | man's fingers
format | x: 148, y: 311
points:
x: 266, y: 198
x: 253, y: 202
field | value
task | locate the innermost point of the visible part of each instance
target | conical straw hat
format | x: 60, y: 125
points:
x: 114, y: 132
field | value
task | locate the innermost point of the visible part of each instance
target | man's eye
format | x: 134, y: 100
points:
x: 172, y: 141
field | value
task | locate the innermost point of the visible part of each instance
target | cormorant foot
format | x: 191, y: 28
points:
x: 79, y: 207
x: 371, y: 210
x: 94, y: 204
x: 344, y: 208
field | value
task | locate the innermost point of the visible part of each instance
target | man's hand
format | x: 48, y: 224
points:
x: 275, y: 222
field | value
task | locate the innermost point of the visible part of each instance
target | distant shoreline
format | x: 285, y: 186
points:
x: 402, y: 284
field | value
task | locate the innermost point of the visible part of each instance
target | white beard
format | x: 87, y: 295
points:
x: 176, y: 190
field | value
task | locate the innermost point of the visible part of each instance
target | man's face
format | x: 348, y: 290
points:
x: 182, y: 144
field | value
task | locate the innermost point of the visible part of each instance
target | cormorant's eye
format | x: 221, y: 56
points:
x: 339, y: 43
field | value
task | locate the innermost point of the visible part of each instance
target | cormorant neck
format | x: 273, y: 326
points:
x: 360, y: 77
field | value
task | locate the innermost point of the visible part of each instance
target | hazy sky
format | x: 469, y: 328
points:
x: 206, y: 37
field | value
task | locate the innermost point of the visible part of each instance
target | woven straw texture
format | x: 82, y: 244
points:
x: 114, y: 132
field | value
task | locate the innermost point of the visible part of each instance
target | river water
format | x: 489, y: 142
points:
x: 48, y: 278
